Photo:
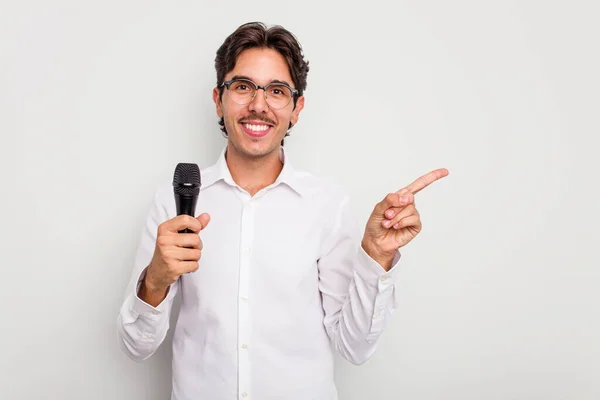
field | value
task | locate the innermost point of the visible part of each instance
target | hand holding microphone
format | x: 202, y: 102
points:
x: 178, y: 245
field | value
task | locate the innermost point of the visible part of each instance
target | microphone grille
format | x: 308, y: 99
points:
x: 186, y: 179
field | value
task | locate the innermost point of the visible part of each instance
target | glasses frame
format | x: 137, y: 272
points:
x: 295, y: 92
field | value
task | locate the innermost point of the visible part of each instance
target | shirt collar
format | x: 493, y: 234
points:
x: 220, y: 171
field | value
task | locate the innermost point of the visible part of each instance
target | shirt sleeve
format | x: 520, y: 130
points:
x: 358, y: 294
x: 141, y: 328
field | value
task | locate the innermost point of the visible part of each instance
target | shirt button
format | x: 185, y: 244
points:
x: 383, y: 278
x: 246, y: 250
x: 244, y: 346
x: 244, y: 394
x: 377, y: 315
x: 244, y: 298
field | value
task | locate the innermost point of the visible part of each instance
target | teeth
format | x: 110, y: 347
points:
x: 257, y: 128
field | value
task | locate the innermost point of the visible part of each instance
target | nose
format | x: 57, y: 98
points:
x: 259, y: 104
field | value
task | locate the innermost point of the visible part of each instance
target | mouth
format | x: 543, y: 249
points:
x: 256, y: 129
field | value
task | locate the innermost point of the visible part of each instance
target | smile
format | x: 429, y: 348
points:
x: 256, y: 130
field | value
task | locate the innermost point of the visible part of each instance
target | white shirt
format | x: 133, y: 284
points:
x: 281, y: 284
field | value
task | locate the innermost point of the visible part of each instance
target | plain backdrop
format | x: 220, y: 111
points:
x: 498, y: 296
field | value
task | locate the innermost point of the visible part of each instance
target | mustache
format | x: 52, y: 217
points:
x: 256, y: 117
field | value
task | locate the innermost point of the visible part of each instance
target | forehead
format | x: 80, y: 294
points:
x: 262, y: 66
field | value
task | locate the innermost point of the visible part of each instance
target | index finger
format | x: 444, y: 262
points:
x: 424, y: 181
x: 182, y: 222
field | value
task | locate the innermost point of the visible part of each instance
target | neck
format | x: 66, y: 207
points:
x: 253, y: 174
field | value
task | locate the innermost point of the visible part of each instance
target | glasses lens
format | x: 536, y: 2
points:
x: 242, y: 92
x: 278, y: 96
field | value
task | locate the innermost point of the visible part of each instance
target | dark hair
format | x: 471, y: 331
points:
x: 257, y: 35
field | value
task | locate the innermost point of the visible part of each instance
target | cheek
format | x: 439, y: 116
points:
x: 230, y: 112
x: 285, y: 117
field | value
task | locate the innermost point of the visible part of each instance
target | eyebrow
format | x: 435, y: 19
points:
x: 250, y: 79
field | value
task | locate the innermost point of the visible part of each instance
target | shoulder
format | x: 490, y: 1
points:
x: 321, y: 188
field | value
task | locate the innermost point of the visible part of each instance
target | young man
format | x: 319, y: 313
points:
x: 279, y: 278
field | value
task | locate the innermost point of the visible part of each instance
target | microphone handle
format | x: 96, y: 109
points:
x: 186, y: 205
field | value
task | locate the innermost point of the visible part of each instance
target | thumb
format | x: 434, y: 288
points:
x: 204, y: 219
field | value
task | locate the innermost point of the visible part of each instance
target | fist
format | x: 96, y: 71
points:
x: 175, y: 253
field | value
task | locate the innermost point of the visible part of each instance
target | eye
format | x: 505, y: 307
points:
x: 279, y: 91
x: 241, y: 87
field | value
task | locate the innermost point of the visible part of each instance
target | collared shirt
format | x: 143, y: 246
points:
x: 282, y: 283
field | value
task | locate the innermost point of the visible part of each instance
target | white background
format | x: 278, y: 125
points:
x: 499, y: 293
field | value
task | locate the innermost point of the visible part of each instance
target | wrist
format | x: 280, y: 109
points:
x: 382, y: 258
x: 149, y: 283
x: 152, y: 294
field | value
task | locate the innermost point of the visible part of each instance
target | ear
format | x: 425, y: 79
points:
x: 217, y: 99
x: 296, y: 112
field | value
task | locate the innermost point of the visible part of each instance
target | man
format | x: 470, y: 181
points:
x: 274, y: 277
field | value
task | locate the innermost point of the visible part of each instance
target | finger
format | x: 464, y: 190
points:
x: 393, y: 211
x: 204, y: 220
x: 405, y: 212
x: 190, y: 240
x: 411, y: 220
x: 186, y: 267
x: 184, y: 254
x: 395, y: 200
x: 424, y: 181
x: 179, y: 223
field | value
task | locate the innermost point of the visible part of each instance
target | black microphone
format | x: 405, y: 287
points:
x: 186, y: 186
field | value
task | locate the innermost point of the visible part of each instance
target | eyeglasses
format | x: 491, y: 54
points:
x: 243, y: 91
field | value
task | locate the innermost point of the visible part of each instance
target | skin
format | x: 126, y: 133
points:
x: 254, y: 164
x: 395, y: 220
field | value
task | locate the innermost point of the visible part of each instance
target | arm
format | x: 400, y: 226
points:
x: 142, y: 327
x: 358, y: 293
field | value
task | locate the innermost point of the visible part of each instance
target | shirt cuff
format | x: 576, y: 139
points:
x: 370, y: 270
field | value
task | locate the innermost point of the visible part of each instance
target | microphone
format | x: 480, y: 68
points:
x: 186, y: 187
